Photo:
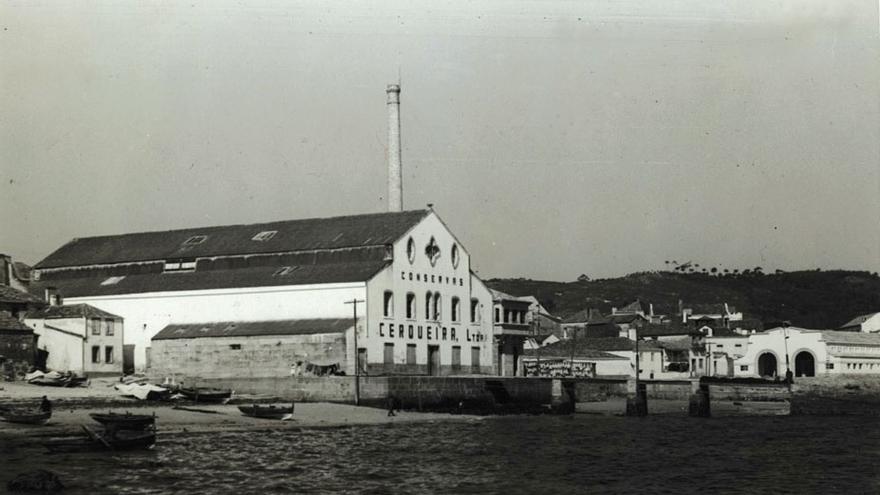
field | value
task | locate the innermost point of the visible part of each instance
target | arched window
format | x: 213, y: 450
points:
x: 410, y: 305
x: 437, y: 306
x: 388, y: 304
x: 428, y: 303
x: 454, y: 255
x: 456, y: 309
x: 475, y: 311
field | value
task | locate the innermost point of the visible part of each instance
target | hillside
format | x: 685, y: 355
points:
x: 809, y: 299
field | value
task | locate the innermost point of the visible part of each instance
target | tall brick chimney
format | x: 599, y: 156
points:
x: 395, y: 172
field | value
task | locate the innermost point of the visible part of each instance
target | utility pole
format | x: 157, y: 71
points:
x: 574, y: 333
x: 357, y: 364
x: 788, y: 374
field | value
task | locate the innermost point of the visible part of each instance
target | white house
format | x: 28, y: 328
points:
x: 805, y: 352
x: 869, y: 323
x: 420, y: 309
x: 78, y: 337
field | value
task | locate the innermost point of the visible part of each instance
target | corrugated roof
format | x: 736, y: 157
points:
x: 292, y: 235
x: 253, y: 328
x: 265, y: 276
x: 11, y: 295
x: 71, y: 311
x: 860, y: 338
x: 857, y: 321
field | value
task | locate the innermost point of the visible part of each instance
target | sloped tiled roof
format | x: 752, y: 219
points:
x: 264, y: 276
x: 636, y: 305
x: 11, y: 295
x: 618, y: 319
x: 9, y: 323
x: 71, y: 311
x: 292, y: 235
x: 860, y: 338
x: 253, y: 328
x: 562, y: 349
x: 22, y: 271
x: 654, y: 330
x: 857, y: 321
x: 614, y: 344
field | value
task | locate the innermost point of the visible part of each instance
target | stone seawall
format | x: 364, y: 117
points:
x: 428, y: 393
x: 836, y: 395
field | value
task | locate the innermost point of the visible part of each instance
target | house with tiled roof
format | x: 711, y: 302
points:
x: 420, y: 309
x: 79, y: 338
x: 869, y: 323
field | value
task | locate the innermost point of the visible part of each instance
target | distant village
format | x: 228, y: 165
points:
x: 377, y: 294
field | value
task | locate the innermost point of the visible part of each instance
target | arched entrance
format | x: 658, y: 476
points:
x: 804, y: 364
x: 767, y: 364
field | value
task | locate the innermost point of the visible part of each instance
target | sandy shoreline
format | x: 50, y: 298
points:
x: 72, y: 406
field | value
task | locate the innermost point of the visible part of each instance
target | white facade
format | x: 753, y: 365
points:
x: 432, y: 291
x: 80, y: 344
x: 809, y: 353
x: 146, y: 314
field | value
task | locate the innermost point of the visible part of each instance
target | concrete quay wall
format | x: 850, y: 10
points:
x: 836, y: 395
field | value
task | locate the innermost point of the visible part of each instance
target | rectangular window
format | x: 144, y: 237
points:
x: 95, y: 323
x: 389, y: 353
x: 475, y: 311
x: 411, y: 354
x: 109, y: 327
x: 264, y: 235
x: 388, y: 304
x: 497, y: 315
x: 456, y: 309
x: 737, y: 345
x: 456, y: 357
x: 96, y: 354
x: 829, y: 366
x: 235, y: 347
x: 108, y: 354
x: 475, y: 359
x: 180, y: 265
x: 744, y: 367
x: 428, y: 305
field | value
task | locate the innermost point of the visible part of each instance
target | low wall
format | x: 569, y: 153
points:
x: 770, y: 392
x: 598, y: 389
x: 412, y: 392
x: 836, y: 395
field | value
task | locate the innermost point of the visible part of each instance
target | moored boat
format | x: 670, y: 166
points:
x: 119, y: 441
x: 210, y: 395
x: 25, y: 417
x: 267, y: 411
x: 125, y: 421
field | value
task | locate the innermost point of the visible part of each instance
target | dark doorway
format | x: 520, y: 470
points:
x: 767, y: 365
x: 362, y: 361
x: 128, y: 359
x: 433, y: 360
x: 804, y: 364
x: 40, y: 359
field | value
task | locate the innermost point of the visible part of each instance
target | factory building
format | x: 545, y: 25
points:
x: 420, y: 308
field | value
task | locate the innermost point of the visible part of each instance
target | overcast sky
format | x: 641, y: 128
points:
x: 553, y: 137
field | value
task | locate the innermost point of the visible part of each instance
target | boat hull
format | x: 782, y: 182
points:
x: 209, y: 396
x: 267, y: 412
x: 26, y: 418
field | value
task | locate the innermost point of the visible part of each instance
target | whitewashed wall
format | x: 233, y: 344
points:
x: 146, y: 314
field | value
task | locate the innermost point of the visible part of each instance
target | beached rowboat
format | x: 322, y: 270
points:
x: 25, y: 417
x: 211, y: 395
x: 267, y: 412
x: 120, y: 440
x: 125, y: 421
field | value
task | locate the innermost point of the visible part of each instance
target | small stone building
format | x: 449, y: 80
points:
x: 251, y: 349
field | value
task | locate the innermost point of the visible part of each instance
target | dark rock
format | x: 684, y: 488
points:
x: 41, y: 480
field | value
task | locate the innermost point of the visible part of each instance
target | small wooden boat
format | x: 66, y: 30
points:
x: 208, y: 395
x: 119, y: 441
x: 125, y: 421
x: 267, y: 411
x: 25, y: 417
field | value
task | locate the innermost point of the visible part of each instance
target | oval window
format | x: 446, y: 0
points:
x: 411, y: 250
x: 454, y: 251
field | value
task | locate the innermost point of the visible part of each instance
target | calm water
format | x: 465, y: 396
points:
x: 579, y: 454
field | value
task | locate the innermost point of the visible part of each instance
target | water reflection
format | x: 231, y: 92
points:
x: 497, y: 455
